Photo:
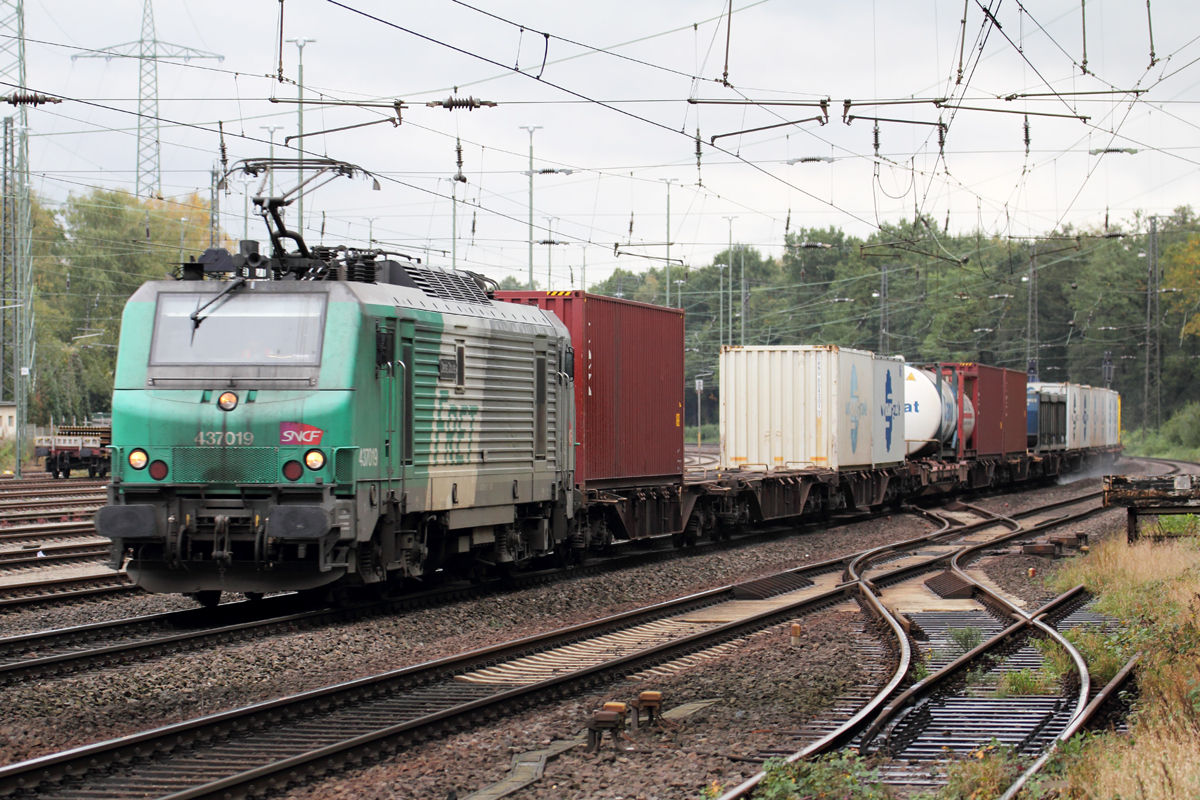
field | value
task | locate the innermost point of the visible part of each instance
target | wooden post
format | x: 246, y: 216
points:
x: 1131, y: 525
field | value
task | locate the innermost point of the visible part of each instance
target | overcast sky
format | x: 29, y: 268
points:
x: 622, y: 121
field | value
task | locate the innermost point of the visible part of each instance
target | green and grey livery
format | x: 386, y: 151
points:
x: 297, y: 434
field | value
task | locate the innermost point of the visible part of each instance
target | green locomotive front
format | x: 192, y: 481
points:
x: 295, y: 434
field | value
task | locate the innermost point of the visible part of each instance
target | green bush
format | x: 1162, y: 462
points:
x: 709, y: 434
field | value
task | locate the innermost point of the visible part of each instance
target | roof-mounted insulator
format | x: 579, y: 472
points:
x: 30, y: 99
x: 456, y: 103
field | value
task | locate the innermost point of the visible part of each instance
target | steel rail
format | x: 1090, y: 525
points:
x: 847, y: 730
x: 145, y: 638
x: 36, y: 502
x: 46, y: 530
x: 1110, y: 689
x: 49, y: 554
x: 45, y: 588
x: 102, y: 757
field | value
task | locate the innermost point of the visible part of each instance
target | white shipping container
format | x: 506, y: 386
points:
x: 1093, y: 415
x: 1076, y: 433
x: 1112, y: 436
x: 803, y: 407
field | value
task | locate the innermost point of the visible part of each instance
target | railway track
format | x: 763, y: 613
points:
x: 84, y: 647
x: 45, y: 532
x: 73, y: 588
x: 947, y: 712
x: 271, y: 745
x: 54, y: 554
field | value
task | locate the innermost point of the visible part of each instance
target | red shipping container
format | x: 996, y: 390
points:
x: 628, y: 387
x: 998, y: 396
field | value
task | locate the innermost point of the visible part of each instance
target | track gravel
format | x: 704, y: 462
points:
x: 40, y: 718
x: 766, y: 688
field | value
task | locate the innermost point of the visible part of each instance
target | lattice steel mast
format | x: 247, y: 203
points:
x: 16, y: 264
x: 149, y: 51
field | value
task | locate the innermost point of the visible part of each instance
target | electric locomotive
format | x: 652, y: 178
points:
x: 330, y: 417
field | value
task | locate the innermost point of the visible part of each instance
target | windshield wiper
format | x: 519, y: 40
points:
x: 197, y: 317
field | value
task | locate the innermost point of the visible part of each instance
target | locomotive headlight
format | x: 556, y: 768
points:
x: 227, y: 401
x: 138, y: 459
x: 314, y: 459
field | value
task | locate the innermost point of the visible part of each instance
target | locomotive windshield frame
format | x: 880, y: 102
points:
x: 268, y: 329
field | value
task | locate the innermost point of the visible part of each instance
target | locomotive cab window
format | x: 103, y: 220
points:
x: 569, y: 362
x: 279, y: 329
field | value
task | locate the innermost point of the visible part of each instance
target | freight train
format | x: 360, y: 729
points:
x: 328, y: 420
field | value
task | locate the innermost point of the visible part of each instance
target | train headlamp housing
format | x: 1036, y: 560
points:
x: 227, y: 401
x: 314, y: 459
x: 138, y: 459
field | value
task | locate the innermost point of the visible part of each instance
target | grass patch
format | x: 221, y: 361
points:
x: 1154, y: 589
x: 1025, y: 682
x: 843, y: 775
x: 985, y: 774
x: 964, y: 640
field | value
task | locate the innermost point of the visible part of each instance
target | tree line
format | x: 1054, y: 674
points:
x: 1071, y: 298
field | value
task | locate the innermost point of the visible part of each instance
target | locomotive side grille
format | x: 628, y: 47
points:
x: 343, y: 464
x: 225, y: 465
x: 447, y: 285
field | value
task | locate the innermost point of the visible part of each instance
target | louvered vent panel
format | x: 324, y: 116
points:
x: 447, y: 285
x: 343, y: 464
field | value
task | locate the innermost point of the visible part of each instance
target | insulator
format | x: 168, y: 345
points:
x: 941, y: 139
x: 787, y: 226
x: 456, y: 103
x: 631, y: 223
x: 30, y: 99
x: 877, y: 140
x: 1026, y: 134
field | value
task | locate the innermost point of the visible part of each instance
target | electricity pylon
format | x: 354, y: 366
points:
x: 149, y: 51
x: 16, y: 263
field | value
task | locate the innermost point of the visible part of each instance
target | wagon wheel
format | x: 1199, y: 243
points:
x: 209, y: 598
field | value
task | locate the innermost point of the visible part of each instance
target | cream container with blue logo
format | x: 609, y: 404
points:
x: 887, y: 415
x: 809, y: 407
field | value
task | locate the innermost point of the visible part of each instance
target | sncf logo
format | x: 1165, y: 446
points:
x: 299, y: 433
